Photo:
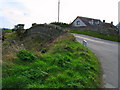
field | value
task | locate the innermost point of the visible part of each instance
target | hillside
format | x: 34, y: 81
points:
x: 45, y: 56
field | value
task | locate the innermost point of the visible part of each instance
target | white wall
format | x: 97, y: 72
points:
x: 81, y: 23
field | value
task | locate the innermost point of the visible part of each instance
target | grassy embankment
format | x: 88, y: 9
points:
x: 65, y: 64
x: 98, y: 35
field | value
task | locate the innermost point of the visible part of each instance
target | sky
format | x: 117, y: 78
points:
x: 13, y: 12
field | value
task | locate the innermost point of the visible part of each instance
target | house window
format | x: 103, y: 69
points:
x: 91, y: 22
x: 78, y: 22
x: 97, y: 22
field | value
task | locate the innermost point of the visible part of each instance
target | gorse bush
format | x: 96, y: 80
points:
x: 26, y: 55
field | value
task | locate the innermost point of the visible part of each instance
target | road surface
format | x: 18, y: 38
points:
x: 107, y: 52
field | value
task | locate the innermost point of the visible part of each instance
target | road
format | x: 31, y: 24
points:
x: 107, y: 52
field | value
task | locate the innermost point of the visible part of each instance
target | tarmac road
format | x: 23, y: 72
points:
x: 107, y: 52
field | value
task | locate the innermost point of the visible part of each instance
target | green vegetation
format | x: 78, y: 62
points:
x: 98, y: 35
x: 7, y: 30
x: 61, y: 24
x: 66, y: 64
x: 26, y: 55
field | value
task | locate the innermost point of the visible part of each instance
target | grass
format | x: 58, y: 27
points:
x: 98, y: 35
x: 66, y: 64
x: 8, y: 30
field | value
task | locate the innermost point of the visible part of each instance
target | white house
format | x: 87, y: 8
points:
x: 84, y: 21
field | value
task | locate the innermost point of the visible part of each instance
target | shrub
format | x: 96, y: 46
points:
x: 26, y: 55
x: 61, y: 24
x: 34, y: 24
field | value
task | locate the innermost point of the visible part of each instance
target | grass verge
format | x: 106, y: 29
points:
x: 67, y: 64
x: 98, y: 35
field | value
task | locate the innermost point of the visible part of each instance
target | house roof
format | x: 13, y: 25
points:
x: 86, y: 20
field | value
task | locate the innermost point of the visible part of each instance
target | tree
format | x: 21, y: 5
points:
x: 34, y: 24
x: 19, y: 29
x: 61, y: 24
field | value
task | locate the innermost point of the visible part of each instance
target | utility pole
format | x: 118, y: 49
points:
x: 119, y: 17
x: 58, y: 10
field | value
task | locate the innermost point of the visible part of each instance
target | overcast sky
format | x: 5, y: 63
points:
x: 26, y: 12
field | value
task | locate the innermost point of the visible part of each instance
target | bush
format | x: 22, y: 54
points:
x: 34, y: 24
x: 26, y: 55
x: 61, y: 24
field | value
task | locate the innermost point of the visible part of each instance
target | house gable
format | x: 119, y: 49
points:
x: 85, y: 22
x: 78, y: 22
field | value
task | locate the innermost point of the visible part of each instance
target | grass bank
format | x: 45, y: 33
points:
x: 98, y: 35
x: 66, y: 64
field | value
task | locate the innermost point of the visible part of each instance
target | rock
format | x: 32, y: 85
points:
x: 13, y: 41
x: 22, y: 44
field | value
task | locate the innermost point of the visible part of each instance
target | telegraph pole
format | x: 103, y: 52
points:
x: 58, y: 10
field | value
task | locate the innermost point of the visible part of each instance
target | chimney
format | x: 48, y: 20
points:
x: 103, y: 21
x: 112, y: 22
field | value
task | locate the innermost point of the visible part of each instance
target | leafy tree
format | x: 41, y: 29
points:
x: 34, y: 24
x: 19, y: 29
x: 61, y: 24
